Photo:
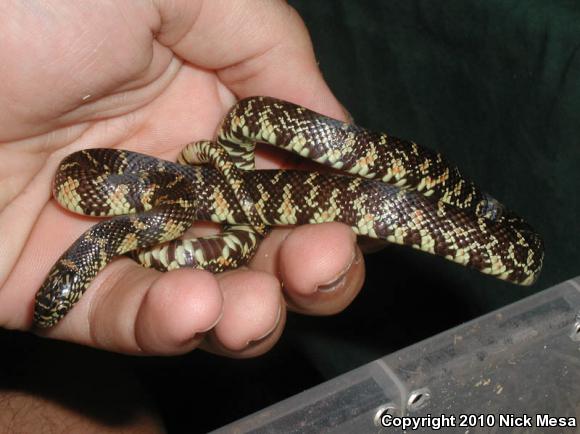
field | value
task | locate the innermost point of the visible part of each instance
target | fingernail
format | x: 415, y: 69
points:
x: 212, y: 325
x: 339, y: 281
x: 348, y: 117
x: 269, y: 332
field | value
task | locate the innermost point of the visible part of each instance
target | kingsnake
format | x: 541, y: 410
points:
x: 391, y: 189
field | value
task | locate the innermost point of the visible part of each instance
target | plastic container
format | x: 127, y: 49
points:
x: 514, y: 370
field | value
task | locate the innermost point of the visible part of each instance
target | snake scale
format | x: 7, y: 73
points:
x: 389, y: 188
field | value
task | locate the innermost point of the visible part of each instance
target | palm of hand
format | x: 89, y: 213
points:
x: 108, y: 78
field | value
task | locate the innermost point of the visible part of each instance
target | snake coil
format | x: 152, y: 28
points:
x: 391, y: 189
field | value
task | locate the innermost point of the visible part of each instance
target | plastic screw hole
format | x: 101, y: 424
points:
x: 383, y: 410
x: 418, y: 399
x: 576, y: 331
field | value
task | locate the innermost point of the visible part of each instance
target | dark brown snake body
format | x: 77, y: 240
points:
x: 394, y: 190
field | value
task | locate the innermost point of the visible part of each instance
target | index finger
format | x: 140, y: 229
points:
x: 256, y: 47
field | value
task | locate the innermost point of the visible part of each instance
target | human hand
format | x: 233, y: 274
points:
x: 150, y: 77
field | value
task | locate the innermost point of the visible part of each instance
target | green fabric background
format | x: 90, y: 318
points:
x: 495, y: 86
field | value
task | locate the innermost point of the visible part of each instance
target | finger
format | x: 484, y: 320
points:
x: 178, y: 307
x: 253, y: 316
x: 257, y: 47
x: 133, y: 310
x: 320, y: 266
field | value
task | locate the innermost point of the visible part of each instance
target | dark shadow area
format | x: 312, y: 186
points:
x: 98, y: 385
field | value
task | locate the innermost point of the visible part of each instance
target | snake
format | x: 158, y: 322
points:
x: 382, y: 186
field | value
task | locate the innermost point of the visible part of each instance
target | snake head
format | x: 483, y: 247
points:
x: 57, y: 295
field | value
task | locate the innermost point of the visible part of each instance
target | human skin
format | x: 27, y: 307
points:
x: 150, y: 77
